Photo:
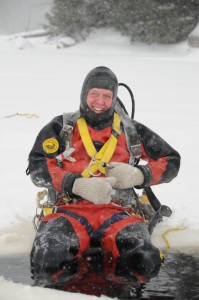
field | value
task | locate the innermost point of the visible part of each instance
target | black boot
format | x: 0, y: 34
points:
x: 55, y: 243
x: 136, y: 251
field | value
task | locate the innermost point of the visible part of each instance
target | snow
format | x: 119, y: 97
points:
x: 195, y: 31
x: 65, y: 42
x: 36, y: 293
x: 41, y: 79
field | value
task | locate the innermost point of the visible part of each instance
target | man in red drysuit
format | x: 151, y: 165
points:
x: 88, y: 159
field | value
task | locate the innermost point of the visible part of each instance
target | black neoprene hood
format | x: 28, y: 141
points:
x: 99, y: 77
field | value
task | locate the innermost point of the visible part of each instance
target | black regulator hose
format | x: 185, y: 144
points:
x: 154, y: 201
x: 132, y: 99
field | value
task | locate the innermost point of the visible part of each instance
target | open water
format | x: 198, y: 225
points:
x: 177, y: 279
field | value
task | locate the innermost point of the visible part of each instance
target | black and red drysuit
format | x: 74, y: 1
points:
x: 79, y: 224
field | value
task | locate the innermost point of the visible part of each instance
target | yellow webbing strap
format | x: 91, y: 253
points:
x: 116, y: 123
x: 105, y: 153
x: 85, y: 136
x: 47, y: 210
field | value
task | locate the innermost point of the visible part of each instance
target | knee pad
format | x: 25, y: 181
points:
x: 55, y: 243
x: 136, y: 250
x: 131, y: 237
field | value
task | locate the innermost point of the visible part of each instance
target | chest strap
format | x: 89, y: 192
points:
x: 98, y: 159
x: 132, y: 137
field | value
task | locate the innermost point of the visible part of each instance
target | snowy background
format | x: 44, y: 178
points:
x: 37, y: 78
x: 23, y: 15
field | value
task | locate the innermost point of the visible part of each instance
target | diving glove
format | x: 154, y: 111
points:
x: 96, y: 190
x: 126, y: 175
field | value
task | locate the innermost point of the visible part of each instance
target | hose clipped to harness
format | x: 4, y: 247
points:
x: 159, y: 210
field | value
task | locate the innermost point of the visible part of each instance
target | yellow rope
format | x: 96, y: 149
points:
x: 29, y: 116
x: 168, y: 231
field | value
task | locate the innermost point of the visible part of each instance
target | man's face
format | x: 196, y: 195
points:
x: 99, y: 100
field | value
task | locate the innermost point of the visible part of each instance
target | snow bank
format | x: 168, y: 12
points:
x: 17, y: 238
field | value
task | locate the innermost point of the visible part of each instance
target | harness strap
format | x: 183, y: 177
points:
x: 106, y: 152
x: 132, y: 137
x: 85, y: 136
x: 68, y: 119
x: 71, y: 118
x: 81, y: 219
x: 97, y: 238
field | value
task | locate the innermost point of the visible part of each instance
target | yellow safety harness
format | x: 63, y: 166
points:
x: 98, y: 159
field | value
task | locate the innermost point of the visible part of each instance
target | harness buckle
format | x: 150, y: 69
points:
x: 135, y: 154
x: 66, y: 155
x: 69, y: 129
x: 93, y: 162
x: 54, y: 209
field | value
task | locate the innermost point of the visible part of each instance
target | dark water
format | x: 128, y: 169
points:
x: 177, y: 279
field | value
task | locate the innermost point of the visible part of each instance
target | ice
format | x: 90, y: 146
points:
x: 37, y: 293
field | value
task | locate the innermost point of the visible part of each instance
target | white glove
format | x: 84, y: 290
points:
x: 126, y: 175
x: 96, y: 190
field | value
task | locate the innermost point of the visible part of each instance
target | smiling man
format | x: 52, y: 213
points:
x: 81, y: 186
x: 99, y: 100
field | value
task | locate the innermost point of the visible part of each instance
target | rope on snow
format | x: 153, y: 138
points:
x: 168, y: 231
x: 29, y: 116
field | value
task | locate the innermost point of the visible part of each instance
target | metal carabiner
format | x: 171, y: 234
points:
x: 93, y: 162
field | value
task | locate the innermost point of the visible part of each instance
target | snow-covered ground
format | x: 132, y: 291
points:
x: 42, y: 80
